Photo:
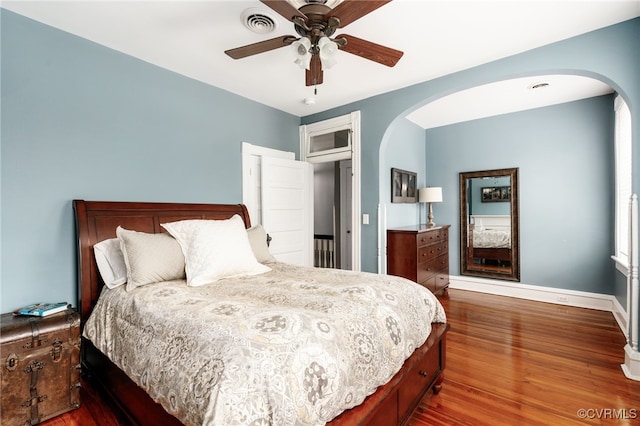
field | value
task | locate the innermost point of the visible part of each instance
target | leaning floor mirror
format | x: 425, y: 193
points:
x: 489, y: 224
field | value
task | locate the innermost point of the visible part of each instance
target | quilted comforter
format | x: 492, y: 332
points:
x: 492, y: 238
x: 293, y: 346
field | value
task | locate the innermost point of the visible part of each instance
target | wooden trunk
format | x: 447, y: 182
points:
x: 40, y: 366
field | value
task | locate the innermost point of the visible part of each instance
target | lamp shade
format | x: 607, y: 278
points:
x: 301, y: 50
x: 328, y: 51
x: 430, y: 195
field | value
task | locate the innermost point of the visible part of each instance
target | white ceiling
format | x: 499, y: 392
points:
x: 507, y: 96
x: 438, y: 37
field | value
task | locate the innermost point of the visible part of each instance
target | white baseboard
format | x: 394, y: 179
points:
x: 621, y: 316
x: 581, y: 299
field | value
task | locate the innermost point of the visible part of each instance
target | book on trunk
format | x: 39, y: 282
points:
x: 42, y: 309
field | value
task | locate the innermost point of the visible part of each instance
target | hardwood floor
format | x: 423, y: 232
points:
x: 509, y: 362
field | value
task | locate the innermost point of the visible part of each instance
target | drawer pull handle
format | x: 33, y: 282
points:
x: 424, y: 373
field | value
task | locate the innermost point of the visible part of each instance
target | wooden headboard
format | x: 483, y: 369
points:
x: 97, y: 221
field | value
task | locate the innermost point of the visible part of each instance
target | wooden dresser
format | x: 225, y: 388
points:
x: 420, y: 254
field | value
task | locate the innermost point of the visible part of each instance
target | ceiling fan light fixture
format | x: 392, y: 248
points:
x: 302, y: 52
x: 328, y: 49
x: 316, y: 21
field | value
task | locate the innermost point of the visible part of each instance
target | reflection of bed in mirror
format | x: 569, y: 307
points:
x: 490, y: 240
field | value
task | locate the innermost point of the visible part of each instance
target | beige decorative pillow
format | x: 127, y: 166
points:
x: 258, y: 240
x: 215, y: 249
x: 150, y: 258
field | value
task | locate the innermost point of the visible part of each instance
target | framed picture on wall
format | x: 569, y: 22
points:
x: 495, y: 194
x: 404, y: 187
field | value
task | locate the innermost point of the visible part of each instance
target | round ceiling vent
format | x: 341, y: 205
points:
x: 259, y: 21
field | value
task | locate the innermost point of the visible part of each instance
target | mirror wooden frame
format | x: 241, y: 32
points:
x: 467, y: 266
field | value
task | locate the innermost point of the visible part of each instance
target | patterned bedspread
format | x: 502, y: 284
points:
x: 294, y: 346
x: 492, y: 238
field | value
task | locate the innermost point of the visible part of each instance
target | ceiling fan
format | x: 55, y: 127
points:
x: 315, y: 23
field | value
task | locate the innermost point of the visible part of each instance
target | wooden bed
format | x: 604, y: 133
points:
x: 391, y: 404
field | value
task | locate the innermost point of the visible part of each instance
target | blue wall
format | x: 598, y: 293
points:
x: 406, y: 150
x: 609, y: 54
x: 83, y: 121
x: 566, y: 170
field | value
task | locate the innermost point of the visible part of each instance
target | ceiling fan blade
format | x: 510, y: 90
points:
x: 352, y: 10
x: 260, y: 47
x: 313, y: 76
x: 369, y: 50
x: 285, y: 9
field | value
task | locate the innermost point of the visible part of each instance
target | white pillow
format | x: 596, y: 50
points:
x: 258, y: 240
x: 215, y: 249
x: 150, y: 258
x: 110, y: 261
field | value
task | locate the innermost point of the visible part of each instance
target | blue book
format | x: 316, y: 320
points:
x: 42, y: 309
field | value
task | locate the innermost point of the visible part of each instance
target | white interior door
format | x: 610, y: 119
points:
x: 287, y: 209
x: 252, y: 156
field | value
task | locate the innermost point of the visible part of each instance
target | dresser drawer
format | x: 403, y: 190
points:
x: 434, y: 250
x: 430, y: 282
x: 430, y: 237
x: 416, y: 380
x: 431, y: 266
x: 441, y: 281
